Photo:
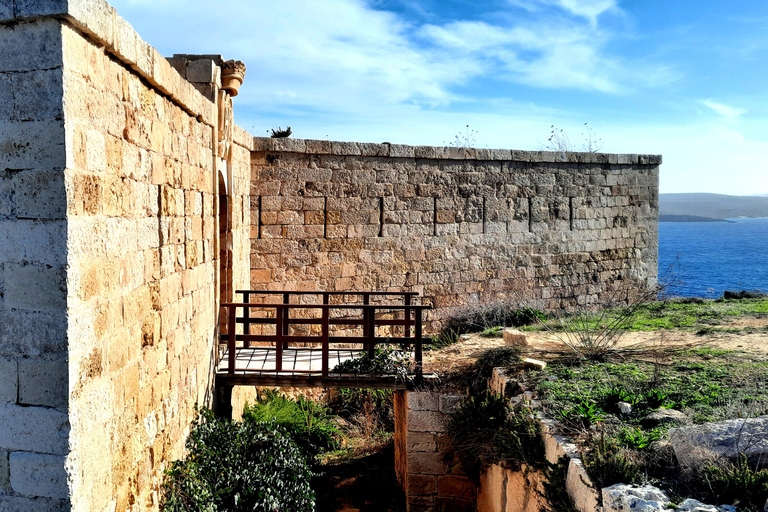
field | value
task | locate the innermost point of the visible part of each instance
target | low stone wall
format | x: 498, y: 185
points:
x: 431, y: 476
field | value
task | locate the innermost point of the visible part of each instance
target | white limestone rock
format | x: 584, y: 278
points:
x: 697, y: 444
x: 624, y: 498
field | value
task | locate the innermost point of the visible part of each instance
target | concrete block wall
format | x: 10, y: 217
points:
x: 463, y: 226
x: 34, y: 426
x: 108, y: 257
x: 430, y: 474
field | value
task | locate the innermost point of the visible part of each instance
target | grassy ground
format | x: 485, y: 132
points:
x: 689, y: 314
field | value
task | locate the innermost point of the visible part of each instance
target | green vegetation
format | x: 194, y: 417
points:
x: 738, y: 482
x: 385, y: 361
x: 688, y: 313
x: 309, y: 423
x: 485, y: 430
x: 238, y: 466
x: 490, y: 316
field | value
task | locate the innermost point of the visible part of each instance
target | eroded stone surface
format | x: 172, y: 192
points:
x: 697, y: 444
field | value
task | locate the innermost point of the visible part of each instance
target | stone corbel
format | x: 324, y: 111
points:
x: 232, y: 76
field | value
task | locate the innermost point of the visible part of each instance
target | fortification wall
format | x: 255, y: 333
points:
x: 462, y: 226
x: 109, y: 252
x: 34, y: 428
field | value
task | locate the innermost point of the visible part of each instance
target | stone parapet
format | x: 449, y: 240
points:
x: 324, y: 147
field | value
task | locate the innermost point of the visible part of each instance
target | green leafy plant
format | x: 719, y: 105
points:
x: 493, y: 332
x: 484, y: 430
x: 238, y: 466
x: 280, y: 133
x: 656, y: 398
x: 616, y: 394
x: 584, y: 414
x: 385, y: 361
x: 637, y: 439
x: 475, y: 377
x: 309, y: 423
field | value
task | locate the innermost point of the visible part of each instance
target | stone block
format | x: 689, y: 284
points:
x: 40, y: 195
x: 420, y: 504
x: 44, y: 382
x: 31, y: 333
x: 9, y: 380
x: 454, y: 505
x: 579, y: 486
x: 421, y: 442
x: 7, y: 103
x: 5, y: 471
x: 422, y: 485
x: 6, y: 10
x: 201, y: 70
x: 424, y: 463
x: 38, y: 429
x: 515, y: 338
x: 19, y: 504
x: 456, y: 486
x: 29, y: 46
x: 448, y: 403
x: 35, y: 287
x: 38, y: 95
x: 698, y: 444
x: 425, y: 421
x: 423, y: 401
x: 32, y: 145
x: 534, y: 364
x: 35, y: 474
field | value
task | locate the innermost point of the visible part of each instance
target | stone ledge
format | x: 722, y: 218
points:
x: 102, y: 23
x: 386, y: 149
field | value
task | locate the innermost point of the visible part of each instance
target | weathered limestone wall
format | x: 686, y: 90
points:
x: 430, y: 475
x: 463, y: 226
x: 109, y: 257
x: 34, y: 428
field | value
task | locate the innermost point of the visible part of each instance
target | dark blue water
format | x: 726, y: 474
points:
x: 707, y: 258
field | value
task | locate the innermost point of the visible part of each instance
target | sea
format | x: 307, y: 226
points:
x: 703, y: 259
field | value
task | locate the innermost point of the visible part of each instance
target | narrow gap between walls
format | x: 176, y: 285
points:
x: 381, y: 216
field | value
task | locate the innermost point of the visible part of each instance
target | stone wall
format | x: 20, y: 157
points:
x: 34, y: 428
x: 426, y: 468
x: 109, y: 257
x: 462, y: 226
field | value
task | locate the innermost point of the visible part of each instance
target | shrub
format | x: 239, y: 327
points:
x: 237, y: 467
x: 446, y: 338
x: 484, y: 430
x: 608, y: 463
x: 383, y: 362
x: 370, y: 410
x: 738, y: 482
x: 309, y: 423
x: 477, y: 319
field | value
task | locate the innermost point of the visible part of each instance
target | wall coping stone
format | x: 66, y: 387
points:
x: 101, y: 22
x: 385, y: 149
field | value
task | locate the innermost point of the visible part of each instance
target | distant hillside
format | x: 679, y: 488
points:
x: 716, y: 206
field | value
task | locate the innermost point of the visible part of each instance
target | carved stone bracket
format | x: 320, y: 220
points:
x: 232, y: 76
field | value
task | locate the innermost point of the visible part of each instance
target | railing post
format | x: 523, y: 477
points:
x: 279, y: 337
x: 366, y: 314
x: 246, y: 318
x: 418, y: 352
x: 286, y: 316
x: 231, y: 330
x: 407, y: 333
x: 371, y: 330
x: 325, y: 342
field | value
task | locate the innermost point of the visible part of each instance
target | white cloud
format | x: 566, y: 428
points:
x: 588, y: 9
x: 727, y: 112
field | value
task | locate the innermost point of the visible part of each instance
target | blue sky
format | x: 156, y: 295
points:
x: 685, y: 80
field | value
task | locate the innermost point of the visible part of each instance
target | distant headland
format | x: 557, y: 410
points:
x: 710, y: 207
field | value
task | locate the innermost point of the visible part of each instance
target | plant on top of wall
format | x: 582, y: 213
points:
x: 463, y: 140
x: 559, y: 141
x: 384, y: 361
x: 280, y: 133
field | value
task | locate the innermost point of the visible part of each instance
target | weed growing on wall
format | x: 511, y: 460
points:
x: 464, y: 140
x: 238, y: 466
x: 485, y: 430
x: 558, y: 140
x: 737, y: 483
x: 370, y: 411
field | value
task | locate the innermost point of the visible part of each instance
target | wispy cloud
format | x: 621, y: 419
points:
x: 726, y: 111
x: 588, y: 9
